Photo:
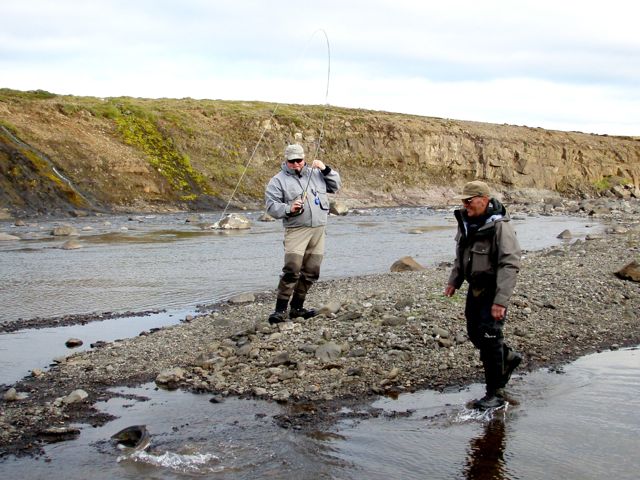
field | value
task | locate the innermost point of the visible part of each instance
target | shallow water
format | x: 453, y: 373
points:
x: 582, y: 423
x: 161, y: 262
x: 25, y: 350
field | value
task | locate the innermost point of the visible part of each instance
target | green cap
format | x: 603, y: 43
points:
x: 474, y: 189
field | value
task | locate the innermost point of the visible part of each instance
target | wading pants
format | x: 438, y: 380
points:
x: 486, y: 335
x: 303, y: 253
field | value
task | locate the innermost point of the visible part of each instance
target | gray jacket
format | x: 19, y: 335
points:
x: 287, y: 185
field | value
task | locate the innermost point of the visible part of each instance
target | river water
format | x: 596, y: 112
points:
x: 142, y: 263
x: 580, y: 423
x: 162, y: 262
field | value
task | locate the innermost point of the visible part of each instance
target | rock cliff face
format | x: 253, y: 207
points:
x: 61, y: 153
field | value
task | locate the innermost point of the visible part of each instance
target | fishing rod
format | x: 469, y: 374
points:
x: 268, y: 124
x: 324, y: 115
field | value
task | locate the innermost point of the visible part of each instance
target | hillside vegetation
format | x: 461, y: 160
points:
x: 65, y: 153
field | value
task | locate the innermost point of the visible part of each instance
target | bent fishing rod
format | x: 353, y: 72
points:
x: 268, y: 123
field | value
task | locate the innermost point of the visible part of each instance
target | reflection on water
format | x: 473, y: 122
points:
x: 161, y: 262
x: 579, y: 424
x: 582, y: 424
x: 486, y: 452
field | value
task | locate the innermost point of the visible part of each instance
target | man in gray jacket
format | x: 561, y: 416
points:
x: 488, y: 257
x: 298, y: 195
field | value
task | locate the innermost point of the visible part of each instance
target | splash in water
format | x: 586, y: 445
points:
x: 483, y: 416
x: 184, y: 463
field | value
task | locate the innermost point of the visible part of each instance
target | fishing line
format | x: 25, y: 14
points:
x: 267, y: 125
x: 324, y: 114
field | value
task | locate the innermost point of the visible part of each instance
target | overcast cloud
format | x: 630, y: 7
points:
x: 567, y: 65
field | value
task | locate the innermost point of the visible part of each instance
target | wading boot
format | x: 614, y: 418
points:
x: 492, y: 399
x: 277, y: 317
x: 513, y: 360
x: 302, y: 312
x: 280, y: 313
x: 297, y: 310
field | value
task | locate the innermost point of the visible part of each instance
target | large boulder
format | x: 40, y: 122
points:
x: 406, y: 264
x: 243, y: 298
x: 73, y: 343
x: 631, y: 271
x: 338, y: 207
x: 234, y: 221
x: 265, y: 217
x: 64, y: 231
x: 12, y: 395
x: 170, y: 378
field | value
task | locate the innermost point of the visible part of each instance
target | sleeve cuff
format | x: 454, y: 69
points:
x: 327, y: 170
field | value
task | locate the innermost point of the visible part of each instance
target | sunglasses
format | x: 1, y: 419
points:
x: 467, y: 201
x: 296, y: 160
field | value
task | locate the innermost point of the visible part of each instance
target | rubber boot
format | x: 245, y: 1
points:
x: 511, y: 361
x: 280, y: 314
x: 297, y: 310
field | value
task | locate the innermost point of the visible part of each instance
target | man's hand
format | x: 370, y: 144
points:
x: 296, y: 205
x: 318, y: 164
x: 449, y: 291
x: 498, y: 312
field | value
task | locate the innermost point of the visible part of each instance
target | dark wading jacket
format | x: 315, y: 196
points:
x: 489, y: 258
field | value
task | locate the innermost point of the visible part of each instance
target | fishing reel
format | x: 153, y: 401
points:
x: 301, y: 211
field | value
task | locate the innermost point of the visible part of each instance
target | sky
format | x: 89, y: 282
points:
x: 563, y: 65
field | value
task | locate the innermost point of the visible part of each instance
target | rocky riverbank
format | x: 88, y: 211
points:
x: 380, y: 334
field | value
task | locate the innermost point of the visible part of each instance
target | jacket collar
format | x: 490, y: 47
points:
x: 495, y: 212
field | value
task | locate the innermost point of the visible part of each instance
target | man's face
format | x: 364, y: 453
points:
x: 296, y: 164
x: 475, y: 206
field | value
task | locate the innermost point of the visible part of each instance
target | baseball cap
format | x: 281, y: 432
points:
x: 474, y: 189
x: 293, y: 152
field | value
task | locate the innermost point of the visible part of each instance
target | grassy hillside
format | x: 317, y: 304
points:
x: 62, y: 152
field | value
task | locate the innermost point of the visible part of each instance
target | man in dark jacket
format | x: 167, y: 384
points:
x: 298, y: 195
x: 488, y: 257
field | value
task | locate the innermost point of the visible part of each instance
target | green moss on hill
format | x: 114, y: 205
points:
x: 139, y: 129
